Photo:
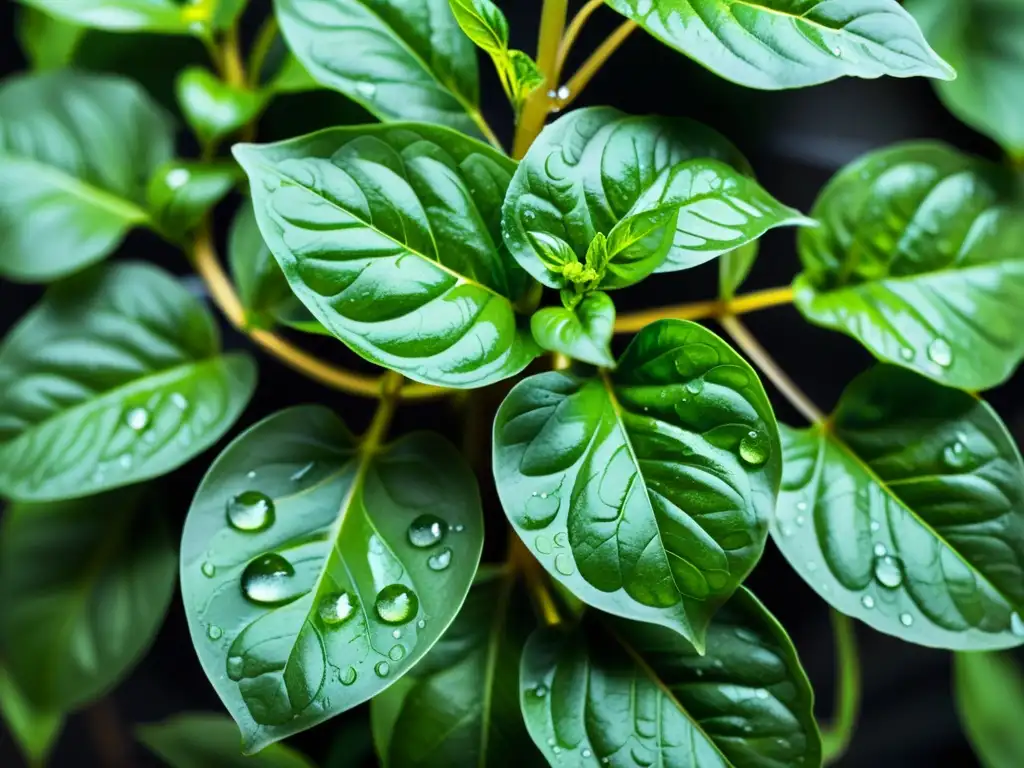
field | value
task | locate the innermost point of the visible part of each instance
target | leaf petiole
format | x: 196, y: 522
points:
x: 702, y: 310
x: 836, y: 739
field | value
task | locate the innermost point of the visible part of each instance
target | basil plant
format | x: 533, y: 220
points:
x: 330, y: 560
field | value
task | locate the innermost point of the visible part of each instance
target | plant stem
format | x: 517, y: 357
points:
x: 232, y: 69
x: 597, y: 59
x: 753, y: 349
x: 836, y: 738
x: 390, y: 394
x: 535, y: 111
x: 260, y: 49
x: 485, y: 128
x: 523, y: 561
x: 701, y: 310
x: 573, y: 31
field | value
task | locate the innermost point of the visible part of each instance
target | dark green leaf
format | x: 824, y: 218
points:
x: 791, y: 43
x: 212, y: 107
x: 315, y: 571
x: 400, y: 61
x: 202, y: 740
x: 624, y: 694
x: 181, y: 193
x: 48, y: 43
x: 384, y: 711
x: 907, y: 512
x: 76, y: 151
x: 36, y: 731
x: 462, y: 707
x: 197, y: 17
x: 85, y: 585
x: 734, y: 267
x: 989, y: 691
x: 918, y: 259
x: 352, y: 742
x: 484, y: 24
x: 583, y: 332
x: 390, y: 235
x: 115, y: 377
x: 646, y: 491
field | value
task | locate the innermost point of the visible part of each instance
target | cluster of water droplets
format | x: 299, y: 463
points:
x: 939, y: 352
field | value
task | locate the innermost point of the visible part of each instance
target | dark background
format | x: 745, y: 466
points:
x: 795, y: 140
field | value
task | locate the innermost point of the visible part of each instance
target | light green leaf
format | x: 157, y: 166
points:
x: 524, y: 75
x: 390, y: 236
x: 181, y: 193
x: 791, y: 43
x: 989, y: 692
x: 734, y: 268
x: 36, y: 731
x: 212, y: 107
x: 202, y: 740
x: 918, y: 259
x: 583, y: 332
x: 907, y: 512
x: 626, y: 694
x: 984, y: 41
x: 85, y: 585
x: 197, y: 17
x: 646, y: 490
x: 484, y: 24
x: 585, y: 173
x: 315, y: 571
x: 115, y: 377
x: 400, y: 61
x: 76, y: 151
x: 462, y: 704
x: 48, y: 43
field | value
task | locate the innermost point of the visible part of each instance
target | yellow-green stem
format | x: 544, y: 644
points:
x: 836, y: 738
x: 260, y: 49
x: 538, y: 104
x: 571, y: 33
x: 632, y: 322
x: 597, y: 59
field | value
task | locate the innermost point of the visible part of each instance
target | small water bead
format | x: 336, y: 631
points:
x: 755, y: 448
x: 367, y: 90
x: 906, y: 619
x: 382, y: 669
x: 178, y: 401
x: 955, y: 455
x: 801, y: 506
x: 235, y: 667
x: 214, y: 632
x: 396, y: 604
x: 940, y: 353
x: 440, y: 560
x: 563, y: 93
x: 251, y: 474
x: 397, y: 653
x: 208, y: 569
x: 426, y: 531
x: 564, y: 564
x: 694, y: 386
x: 459, y: 528
x: 396, y: 634
x: 421, y: 623
x: 349, y: 676
x: 907, y: 353
x: 586, y: 753
x: 868, y: 602
x: 137, y: 418
x: 889, y: 571
x: 561, y: 540
x: 125, y: 461
x: 874, y: 526
x: 336, y: 608
x: 268, y: 580
x: 540, y: 691
x: 542, y: 545
x: 250, y: 511
x: 800, y: 520
x: 879, y: 550
x: 812, y: 566
x: 178, y: 177
x: 1016, y: 624
x: 761, y: 693
x: 557, y: 750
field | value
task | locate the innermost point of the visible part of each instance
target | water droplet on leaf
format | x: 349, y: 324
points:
x: 397, y: 653
x: 426, y: 531
x: 755, y: 448
x: 178, y: 401
x: 542, y: 545
x: 879, y: 550
x: 235, y: 667
x: 907, y: 353
x: 250, y: 511
x: 336, y: 607
x: 396, y: 604
x: 268, y: 580
x: 540, y: 691
x: 564, y: 564
x: 541, y: 510
x: 868, y: 602
x: 906, y: 619
x: 441, y: 560
x: 382, y: 669
x: 349, y: 676
x: 888, y: 571
x: 137, y: 418
x: 367, y: 90
x: 214, y: 632
x: 695, y: 386
x: 956, y: 455
x: 940, y: 353
x: 209, y: 569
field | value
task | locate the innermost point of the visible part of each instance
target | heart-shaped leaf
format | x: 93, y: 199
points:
x: 198, y: 17
x: 76, y: 151
x: 412, y: 62
x: 316, y: 571
x: 85, y: 585
x: 989, y: 690
x: 627, y: 694
x: 180, y: 194
x: 212, y: 107
x: 461, y: 703
x: 791, y: 43
x: 35, y: 730
x: 646, y: 490
x: 906, y: 511
x: 390, y: 235
x: 115, y: 377
x: 918, y: 259
x: 583, y: 332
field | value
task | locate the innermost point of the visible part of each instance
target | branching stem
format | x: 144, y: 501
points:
x: 571, y: 33
x: 702, y: 310
x: 597, y: 59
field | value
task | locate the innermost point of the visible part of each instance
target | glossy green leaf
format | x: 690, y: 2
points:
x: 734, y: 267
x: 85, y: 585
x: 198, y: 17
x: 181, y: 193
x: 918, y: 259
x: 907, y: 512
x: 201, y: 740
x: 984, y: 41
x: 385, y: 709
x: 587, y: 171
x: 524, y: 76
x: 462, y: 707
x: 484, y: 24
x: 35, y: 731
x: 115, y: 377
x: 400, y: 61
x: 625, y: 694
x: 390, y: 235
x: 212, y: 107
x: 989, y: 690
x: 48, y: 43
x: 315, y: 572
x: 791, y: 43
x: 583, y: 332
x: 76, y: 151
x: 646, y: 490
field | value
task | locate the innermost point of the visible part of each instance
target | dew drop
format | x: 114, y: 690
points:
x: 178, y: 401
x: 268, y: 580
x: 426, y: 531
x: 397, y: 653
x: 396, y: 604
x: 125, y: 461
x: 761, y: 693
x: 868, y: 602
x: 812, y: 566
x: 955, y: 455
x: 906, y: 619
x: 349, y: 676
x: 800, y: 520
x: 421, y: 623
x: 585, y: 753
x: 875, y: 526
x: 695, y: 386
x: 235, y: 667
x: 367, y: 90
x: 540, y: 691
x: 564, y: 564
x: 529, y: 215
x: 888, y: 571
x: 1016, y: 624
x: 214, y: 632
x: 440, y: 560
x: 542, y: 545
x: 178, y: 177
x: 209, y: 570
x: 879, y: 550
x: 940, y: 353
x: 382, y: 668
x: 837, y: 51
x: 801, y: 506
x: 396, y: 634
x: 755, y: 448
x: 336, y: 607
x: 906, y: 353
x: 137, y: 418
x: 250, y: 511
x: 563, y: 93
x: 557, y: 750
x: 541, y: 510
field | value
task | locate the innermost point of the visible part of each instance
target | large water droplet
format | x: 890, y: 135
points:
x: 137, y: 418
x: 1016, y: 624
x: 269, y: 579
x: 250, y: 511
x: 349, y: 676
x: 755, y: 448
x: 426, y: 531
x: 564, y: 564
x: 396, y: 604
x: 868, y: 602
x: 541, y: 510
x: 441, y: 560
x: 235, y: 667
x: 940, y: 353
x: 382, y: 668
x: 695, y: 386
x: 336, y: 607
x: 888, y: 571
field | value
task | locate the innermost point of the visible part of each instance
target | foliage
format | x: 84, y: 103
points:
x: 321, y: 569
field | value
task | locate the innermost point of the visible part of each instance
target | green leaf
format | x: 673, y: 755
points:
x: 198, y: 17
x: 989, y: 692
x: 586, y: 172
x: 583, y: 332
x: 48, y: 43
x: 76, y: 151
x: 734, y: 268
x: 315, y: 571
x: 918, y: 259
x: 524, y: 75
x: 115, y: 377
x: 201, y: 740
x: 36, y: 731
x: 212, y: 107
x: 462, y: 707
x: 906, y: 511
x: 484, y: 24
x: 791, y: 43
x: 180, y: 193
x: 982, y: 40
x: 399, y: 61
x: 385, y: 709
x: 390, y: 235
x: 647, y: 490
x: 85, y: 585
x: 626, y: 694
